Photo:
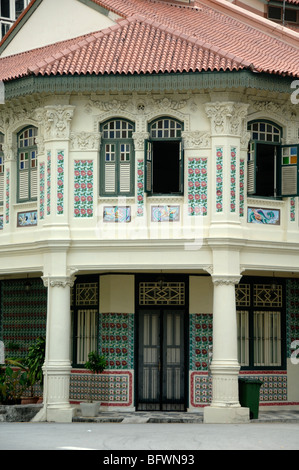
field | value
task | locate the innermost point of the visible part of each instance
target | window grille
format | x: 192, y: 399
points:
x: 264, y: 132
x: 165, y: 129
x: 165, y: 293
x: 243, y: 295
x: 267, y: 295
x: 87, y: 294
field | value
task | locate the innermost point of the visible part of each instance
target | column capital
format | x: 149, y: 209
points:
x: 227, y: 117
x: 56, y: 121
x: 59, y: 281
x: 226, y: 280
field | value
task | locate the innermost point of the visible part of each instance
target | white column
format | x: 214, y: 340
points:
x: 225, y: 406
x: 57, y: 367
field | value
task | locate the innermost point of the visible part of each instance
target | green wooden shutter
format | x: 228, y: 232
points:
x: 251, y: 169
x: 148, y: 166
x: 125, y: 159
x: 181, y: 157
x: 289, y: 170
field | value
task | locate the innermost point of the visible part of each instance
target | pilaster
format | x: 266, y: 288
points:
x: 228, y: 136
x: 55, y: 125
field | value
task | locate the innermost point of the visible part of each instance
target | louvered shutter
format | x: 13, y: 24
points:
x: 251, y: 169
x: 24, y: 185
x: 125, y: 168
x: 110, y: 178
x: 125, y: 177
x: 148, y: 166
x: 289, y: 170
x: 33, y: 183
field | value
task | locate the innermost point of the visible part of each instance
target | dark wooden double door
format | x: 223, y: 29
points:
x: 161, y: 360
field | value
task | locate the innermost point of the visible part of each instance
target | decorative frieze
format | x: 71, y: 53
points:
x: 260, y: 215
x: 60, y: 182
x: 140, y: 187
x: 48, y: 183
x: 165, y: 213
x: 42, y: 190
x: 198, y: 186
x: 242, y: 187
x: 219, y: 179
x: 83, y: 188
x: 27, y: 219
x: 117, y: 214
x: 233, y: 183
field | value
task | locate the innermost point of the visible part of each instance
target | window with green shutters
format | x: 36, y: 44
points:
x: 272, y: 169
x: 27, y: 165
x: 164, y: 158
x: 117, y: 158
x: 1, y: 168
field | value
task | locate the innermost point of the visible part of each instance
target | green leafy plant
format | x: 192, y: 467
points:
x: 13, y: 381
x: 35, y: 361
x: 96, y: 364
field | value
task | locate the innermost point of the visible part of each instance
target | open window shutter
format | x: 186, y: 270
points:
x: 181, y: 167
x: 148, y: 166
x: 251, y: 169
x: 289, y: 170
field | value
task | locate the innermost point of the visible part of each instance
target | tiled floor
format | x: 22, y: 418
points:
x: 178, y: 417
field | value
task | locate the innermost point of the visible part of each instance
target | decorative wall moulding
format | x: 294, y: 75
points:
x: 258, y: 215
x: 27, y: 219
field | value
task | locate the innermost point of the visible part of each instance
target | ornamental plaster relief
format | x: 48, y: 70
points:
x: 57, y: 122
x: 137, y: 109
x: 196, y: 140
x: 85, y: 141
x: 227, y: 118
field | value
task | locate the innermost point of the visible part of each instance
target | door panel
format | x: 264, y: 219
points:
x: 161, y: 371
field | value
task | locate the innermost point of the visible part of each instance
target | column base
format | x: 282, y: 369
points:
x: 225, y: 415
x: 60, y: 415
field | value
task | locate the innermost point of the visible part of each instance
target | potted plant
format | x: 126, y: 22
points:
x: 96, y: 364
x: 13, y: 382
x: 34, y: 362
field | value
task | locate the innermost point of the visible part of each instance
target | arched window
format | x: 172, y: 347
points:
x: 164, y: 157
x: 117, y: 158
x: 1, y: 168
x: 27, y: 165
x: 272, y: 167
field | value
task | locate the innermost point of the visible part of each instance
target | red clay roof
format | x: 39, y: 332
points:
x: 159, y: 36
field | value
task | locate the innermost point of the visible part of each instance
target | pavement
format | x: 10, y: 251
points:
x: 142, y: 417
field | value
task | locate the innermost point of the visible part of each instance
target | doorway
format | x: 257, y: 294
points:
x: 161, y: 360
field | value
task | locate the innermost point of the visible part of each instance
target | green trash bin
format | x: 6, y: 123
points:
x: 249, y: 395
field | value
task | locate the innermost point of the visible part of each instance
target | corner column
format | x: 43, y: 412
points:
x: 225, y: 406
x: 57, y: 367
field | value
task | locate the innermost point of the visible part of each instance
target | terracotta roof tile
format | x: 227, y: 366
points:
x: 158, y: 36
